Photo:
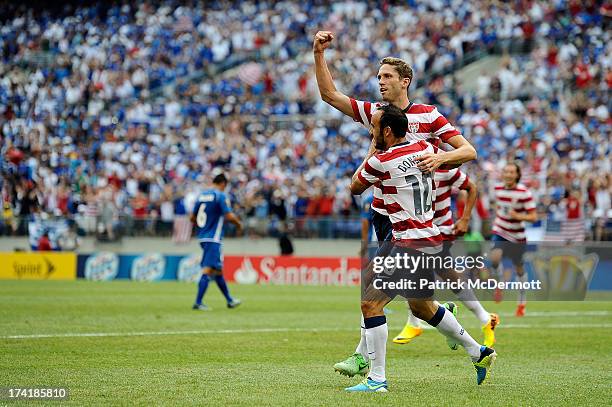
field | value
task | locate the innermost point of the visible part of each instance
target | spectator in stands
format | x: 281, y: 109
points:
x: 70, y: 241
x: 108, y: 215
x: 8, y: 223
x: 573, y: 205
x: 44, y: 244
x: 84, y: 101
x: 166, y: 209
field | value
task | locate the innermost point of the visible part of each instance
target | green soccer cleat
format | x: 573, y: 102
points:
x: 353, y: 365
x: 484, y: 364
x: 370, y: 386
x: 452, y: 307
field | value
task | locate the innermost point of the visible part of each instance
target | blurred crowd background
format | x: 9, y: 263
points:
x: 116, y: 114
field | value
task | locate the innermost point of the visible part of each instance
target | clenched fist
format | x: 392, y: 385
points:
x: 322, y: 40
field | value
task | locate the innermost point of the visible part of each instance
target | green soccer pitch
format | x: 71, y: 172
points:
x: 127, y: 343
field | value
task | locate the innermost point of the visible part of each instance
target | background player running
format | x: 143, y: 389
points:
x: 514, y: 205
x: 447, y: 181
x: 211, y: 209
x: 411, y: 216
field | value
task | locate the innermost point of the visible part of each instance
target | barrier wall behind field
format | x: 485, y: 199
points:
x: 261, y: 247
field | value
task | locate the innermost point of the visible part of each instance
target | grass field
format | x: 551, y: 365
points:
x: 126, y: 343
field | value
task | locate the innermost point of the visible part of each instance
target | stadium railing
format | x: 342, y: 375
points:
x: 322, y: 227
x: 315, y: 227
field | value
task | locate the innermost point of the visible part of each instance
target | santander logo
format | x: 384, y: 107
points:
x: 246, y: 274
x: 280, y: 270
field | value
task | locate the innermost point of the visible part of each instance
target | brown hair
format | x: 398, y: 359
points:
x: 403, y: 69
x: 518, y: 170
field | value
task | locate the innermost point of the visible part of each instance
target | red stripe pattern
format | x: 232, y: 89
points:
x: 406, y: 192
x: 425, y: 121
x: 518, y: 199
x: 447, y: 181
x: 182, y: 227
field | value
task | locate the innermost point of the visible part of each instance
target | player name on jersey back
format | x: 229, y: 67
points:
x: 425, y: 122
x: 407, y: 192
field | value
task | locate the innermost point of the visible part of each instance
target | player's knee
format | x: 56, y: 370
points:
x: 370, y: 309
x: 419, y: 313
x: 421, y: 310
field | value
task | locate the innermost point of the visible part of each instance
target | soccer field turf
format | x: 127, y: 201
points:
x: 278, y: 348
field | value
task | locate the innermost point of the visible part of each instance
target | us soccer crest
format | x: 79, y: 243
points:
x: 413, y: 127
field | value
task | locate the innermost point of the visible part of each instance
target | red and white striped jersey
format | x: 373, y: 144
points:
x: 424, y: 122
x: 407, y: 192
x: 446, y: 182
x: 518, y: 199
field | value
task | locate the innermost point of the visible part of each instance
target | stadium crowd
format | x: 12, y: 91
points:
x: 121, y: 113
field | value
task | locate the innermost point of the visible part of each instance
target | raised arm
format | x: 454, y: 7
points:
x: 327, y: 89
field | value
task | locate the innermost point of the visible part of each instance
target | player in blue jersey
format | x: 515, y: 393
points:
x: 211, y: 209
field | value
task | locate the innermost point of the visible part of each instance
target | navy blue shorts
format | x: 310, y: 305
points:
x: 211, y: 256
x: 382, y: 227
x: 512, y: 251
x: 398, y: 274
x: 384, y: 233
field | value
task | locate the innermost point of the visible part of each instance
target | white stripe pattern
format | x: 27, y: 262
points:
x: 507, y: 200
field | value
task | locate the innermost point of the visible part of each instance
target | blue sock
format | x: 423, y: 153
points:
x: 223, y: 287
x: 202, y: 286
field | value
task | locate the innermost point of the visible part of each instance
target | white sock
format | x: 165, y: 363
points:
x: 362, y: 348
x: 522, y: 299
x: 412, y: 320
x: 376, y: 339
x: 468, y: 299
x: 450, y: 327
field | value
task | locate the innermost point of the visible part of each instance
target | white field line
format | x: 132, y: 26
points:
x: 556, y: 326
x: 270, y: 330
x: 558, y: 313
x: 157, y: 333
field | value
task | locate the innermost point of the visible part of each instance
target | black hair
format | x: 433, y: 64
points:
x: 394, y: 118
x: 220, y: 179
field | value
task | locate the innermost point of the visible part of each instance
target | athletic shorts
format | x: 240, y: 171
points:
x: 512, y: 251
x: 382, y: 227
x: 384, y: 233
x: 407, y: 274
x: 211, y: 255
x: 444, y: 254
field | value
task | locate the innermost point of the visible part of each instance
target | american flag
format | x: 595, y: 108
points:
x: 183, y: 24
x: 182, y: 229
x: 250, y: 73
x: 571, y: 230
